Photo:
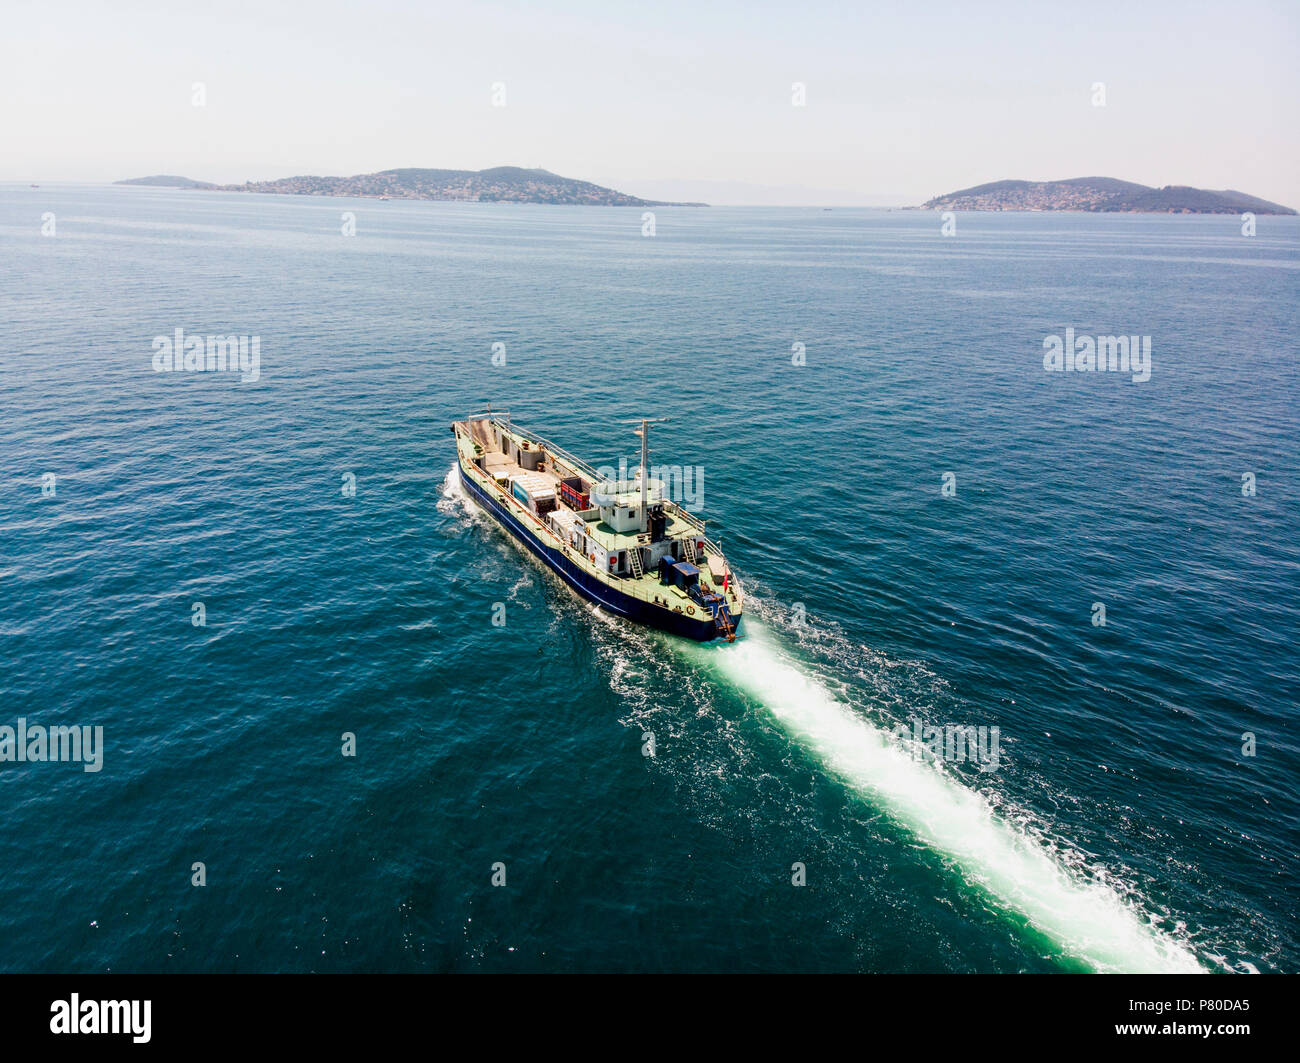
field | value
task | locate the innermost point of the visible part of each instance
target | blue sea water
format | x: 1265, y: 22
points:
x: 1124, y: 828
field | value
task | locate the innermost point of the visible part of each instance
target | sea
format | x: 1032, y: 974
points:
x: 346, y: 723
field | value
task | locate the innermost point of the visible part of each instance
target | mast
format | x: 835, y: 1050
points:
x: 644, y: 433
x: 645, y: 464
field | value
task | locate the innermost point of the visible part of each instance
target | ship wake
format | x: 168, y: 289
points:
x: 1088, y: 919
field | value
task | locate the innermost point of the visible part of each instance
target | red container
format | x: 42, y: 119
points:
x: 576, y: 499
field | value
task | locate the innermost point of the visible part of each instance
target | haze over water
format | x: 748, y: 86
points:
x: 1123, y: 828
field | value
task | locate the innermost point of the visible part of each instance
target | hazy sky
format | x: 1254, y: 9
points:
x: 904, y: 100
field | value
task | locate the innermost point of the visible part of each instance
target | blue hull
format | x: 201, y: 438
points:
x: 607, y: 597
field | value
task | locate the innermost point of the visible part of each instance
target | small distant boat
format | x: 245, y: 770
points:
x: 618, y: 543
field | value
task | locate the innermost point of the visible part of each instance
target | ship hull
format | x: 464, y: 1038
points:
x: 587, y: 585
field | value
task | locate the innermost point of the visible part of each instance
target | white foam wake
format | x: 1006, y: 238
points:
x: 1087, y: 919
x: 453, y: 492
x: 456, y: 501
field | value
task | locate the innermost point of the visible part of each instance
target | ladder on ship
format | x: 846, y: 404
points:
x: 634, y: 563
x: 688, y: 550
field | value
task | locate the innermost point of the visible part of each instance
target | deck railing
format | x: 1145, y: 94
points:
x: 572, y: 460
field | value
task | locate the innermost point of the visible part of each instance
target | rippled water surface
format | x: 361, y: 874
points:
x: 1123, y: 828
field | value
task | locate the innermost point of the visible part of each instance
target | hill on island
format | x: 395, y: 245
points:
x: 502, y: 184
x: 1102, y: 194
x: 165, y: 180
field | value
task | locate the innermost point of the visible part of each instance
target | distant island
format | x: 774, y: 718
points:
x: 502, y: 184
x: 166, y: 180
x: 1102, y: 194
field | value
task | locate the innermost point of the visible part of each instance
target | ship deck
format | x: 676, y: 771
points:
x: 475, y: 441
x: 676, y: 527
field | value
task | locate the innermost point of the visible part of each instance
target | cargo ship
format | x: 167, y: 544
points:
x: 621, y: 544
